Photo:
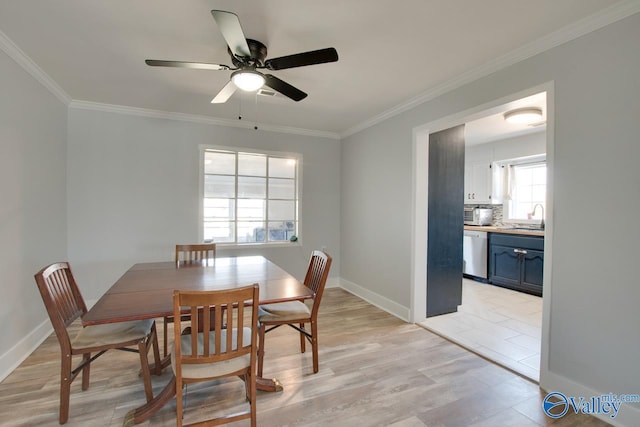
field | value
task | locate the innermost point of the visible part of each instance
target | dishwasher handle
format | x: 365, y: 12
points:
x: 475, y: 234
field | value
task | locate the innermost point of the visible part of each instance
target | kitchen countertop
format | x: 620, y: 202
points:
x: 504, y: 230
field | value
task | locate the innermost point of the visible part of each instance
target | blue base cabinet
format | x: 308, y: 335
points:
x: 516, y: 262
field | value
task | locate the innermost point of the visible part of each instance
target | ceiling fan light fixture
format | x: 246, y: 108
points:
x: 248, y: 80
x: 524, y: 116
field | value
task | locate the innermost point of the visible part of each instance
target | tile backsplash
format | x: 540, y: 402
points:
x: 497, y: 211
x: 497, y: 214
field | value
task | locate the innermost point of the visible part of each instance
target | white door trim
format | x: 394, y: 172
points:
x: 420, y: 185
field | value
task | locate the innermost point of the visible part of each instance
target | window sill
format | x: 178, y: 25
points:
x: 271, y: 245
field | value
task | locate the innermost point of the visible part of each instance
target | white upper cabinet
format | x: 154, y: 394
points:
x: 484, y: 184
x: 477, y: 182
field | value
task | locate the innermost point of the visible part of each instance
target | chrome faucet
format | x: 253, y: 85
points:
x: 533, y: 212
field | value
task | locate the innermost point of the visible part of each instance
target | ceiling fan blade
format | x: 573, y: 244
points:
x: 224, y: 94
x: 231, y: 30
x: 182, y: 64
x: 319, y: 56
x: 284, y: 88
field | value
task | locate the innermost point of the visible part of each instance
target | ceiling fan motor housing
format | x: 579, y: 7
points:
x: 258, y: 54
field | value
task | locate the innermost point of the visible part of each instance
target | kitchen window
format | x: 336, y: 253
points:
x: 526, y: 187
x: 249, y: 197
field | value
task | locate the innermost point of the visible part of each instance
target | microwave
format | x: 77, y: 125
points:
x: 478, y: 216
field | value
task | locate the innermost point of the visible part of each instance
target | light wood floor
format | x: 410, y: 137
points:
x: 375, y: 370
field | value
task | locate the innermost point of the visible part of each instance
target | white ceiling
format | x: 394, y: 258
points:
x: 493, y: 127
x: 391, y: 52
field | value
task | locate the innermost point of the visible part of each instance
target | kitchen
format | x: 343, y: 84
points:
x: 503, y: 248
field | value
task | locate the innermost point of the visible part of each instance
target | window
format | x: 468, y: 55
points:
x: 249, y: 197
x: 528, y: 188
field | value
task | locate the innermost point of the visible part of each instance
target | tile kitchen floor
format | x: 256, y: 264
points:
x: 500, y: 324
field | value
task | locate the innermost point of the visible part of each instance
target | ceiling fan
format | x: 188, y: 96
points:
x: 248, y: 56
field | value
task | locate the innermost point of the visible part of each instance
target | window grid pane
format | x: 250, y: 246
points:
x: 283, y: 189
x: 219, y: 163
x: 252, y: 164
x: 258, y: 204
x: 217, y: 209
x: 529, y: 190
x: 252, y: 187
x: 282, y: 168
x: 281, y: 231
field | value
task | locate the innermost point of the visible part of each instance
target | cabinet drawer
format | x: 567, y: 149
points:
x: 524, y: 242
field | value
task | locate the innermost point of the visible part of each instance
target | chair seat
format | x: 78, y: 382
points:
x: 291, y: 310
x: 296, y: 314
x: 215, y: 369
x: 112, y: 333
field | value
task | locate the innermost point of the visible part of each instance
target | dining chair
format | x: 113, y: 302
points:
x: 64, y: 304
x: 297, y: 314
x: 193, y: 253
x: 224, y: 346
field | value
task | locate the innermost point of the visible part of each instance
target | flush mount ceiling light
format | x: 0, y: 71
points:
x: 248, y: 80
x: 524, y: 116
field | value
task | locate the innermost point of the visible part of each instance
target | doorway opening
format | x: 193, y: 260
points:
x: 503, y: 325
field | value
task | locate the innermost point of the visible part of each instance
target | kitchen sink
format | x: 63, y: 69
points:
x: 524, y: 228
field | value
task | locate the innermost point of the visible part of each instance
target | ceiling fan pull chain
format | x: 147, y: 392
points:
x: 255, y: 124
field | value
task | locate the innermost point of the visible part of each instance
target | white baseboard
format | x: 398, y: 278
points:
x: 332, y: 282
x: 12, y: 358
x: 627, y: 416
x: 384, y: 303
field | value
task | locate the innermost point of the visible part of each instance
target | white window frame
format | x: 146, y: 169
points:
x: 298, y: 194
x: 531, y: 160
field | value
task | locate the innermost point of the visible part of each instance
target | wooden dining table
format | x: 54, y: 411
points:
x: 145, y: 291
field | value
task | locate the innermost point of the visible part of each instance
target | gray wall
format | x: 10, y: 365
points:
x: 133, y: 192
x: 594, y: 290
x: 33, y: 227
x: 376, y: 210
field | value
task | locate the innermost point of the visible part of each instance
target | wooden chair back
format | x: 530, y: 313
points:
x: 195, y: 252
x: 62, y: 299
x: 316, y: 277
x: 225, y: 340
x: 65, y: 304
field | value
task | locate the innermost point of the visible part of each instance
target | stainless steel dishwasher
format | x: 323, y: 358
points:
x: 474, y: 256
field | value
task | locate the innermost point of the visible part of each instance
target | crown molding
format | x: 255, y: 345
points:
x: 587, y: 25
x: 21, y: 58
x: 594, y: 22
x: 157, y: 114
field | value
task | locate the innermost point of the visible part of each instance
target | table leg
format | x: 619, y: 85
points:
x: 269, y: 385
x: 166, y: 361
x: 138, y: 415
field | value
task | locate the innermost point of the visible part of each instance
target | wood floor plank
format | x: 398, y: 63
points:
x: 375, y: 370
